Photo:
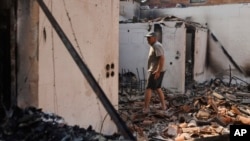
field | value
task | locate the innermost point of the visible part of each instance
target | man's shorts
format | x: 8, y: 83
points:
x: 153, y: 83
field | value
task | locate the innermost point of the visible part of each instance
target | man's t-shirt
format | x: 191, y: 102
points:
x: 155, y: 51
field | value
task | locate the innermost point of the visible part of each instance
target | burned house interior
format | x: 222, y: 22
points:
x: 5, y: 59
x: 205, y: 96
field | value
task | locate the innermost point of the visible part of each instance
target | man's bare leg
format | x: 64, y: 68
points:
x: 148, y: 94
x: 162, y: 98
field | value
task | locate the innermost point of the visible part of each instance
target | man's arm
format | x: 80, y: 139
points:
x: 160, y: 66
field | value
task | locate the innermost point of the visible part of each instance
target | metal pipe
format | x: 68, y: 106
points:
x: 88, y: 75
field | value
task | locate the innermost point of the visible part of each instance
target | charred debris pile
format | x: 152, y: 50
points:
x: 204, y: 113
x: 32, y: 124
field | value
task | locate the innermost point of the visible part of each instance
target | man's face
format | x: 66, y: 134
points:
x: 151, y: 40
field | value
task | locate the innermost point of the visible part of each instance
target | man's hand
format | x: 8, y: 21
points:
x: 159, y: 67
x: 157, y: 74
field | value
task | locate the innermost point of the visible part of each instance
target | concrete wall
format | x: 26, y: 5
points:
x: 182, y: 65
x: 129, y: 9
x: 48, y: 76
x: 27, y: 53
x: 230, y: 25
x: 174, y: 3
x: 133, y: 48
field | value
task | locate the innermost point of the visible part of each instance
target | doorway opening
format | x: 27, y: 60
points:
x: 158, y: 31
x: 189, y: 61
x: 5, y: 69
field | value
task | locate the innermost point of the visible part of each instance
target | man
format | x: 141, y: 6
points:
x: 156, y: 70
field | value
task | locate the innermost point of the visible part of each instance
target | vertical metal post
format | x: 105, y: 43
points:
x: 88, y: 75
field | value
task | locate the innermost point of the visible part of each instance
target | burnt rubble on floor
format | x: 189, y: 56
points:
x: 204, y: 112
x: 31, y: 124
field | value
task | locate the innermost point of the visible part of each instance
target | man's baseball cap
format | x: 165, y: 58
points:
x: 151, y: 34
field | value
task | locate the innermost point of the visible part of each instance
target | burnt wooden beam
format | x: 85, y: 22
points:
x: 243, y: 94
x: 224, y: 137
x: 13, y: 50
x: 230, y: 58
x: 8, y: 54
x: 5, y: 4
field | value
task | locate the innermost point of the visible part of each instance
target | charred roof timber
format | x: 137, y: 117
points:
x: 227, y: 54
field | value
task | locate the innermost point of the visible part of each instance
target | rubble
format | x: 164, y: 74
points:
x: 32, y: 124
x: 204, y: 112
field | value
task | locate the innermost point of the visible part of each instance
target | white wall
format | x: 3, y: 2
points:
x: 62, y: 87
x: 229, y: 23
x: 129, y: 9
x: 134, y: 48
